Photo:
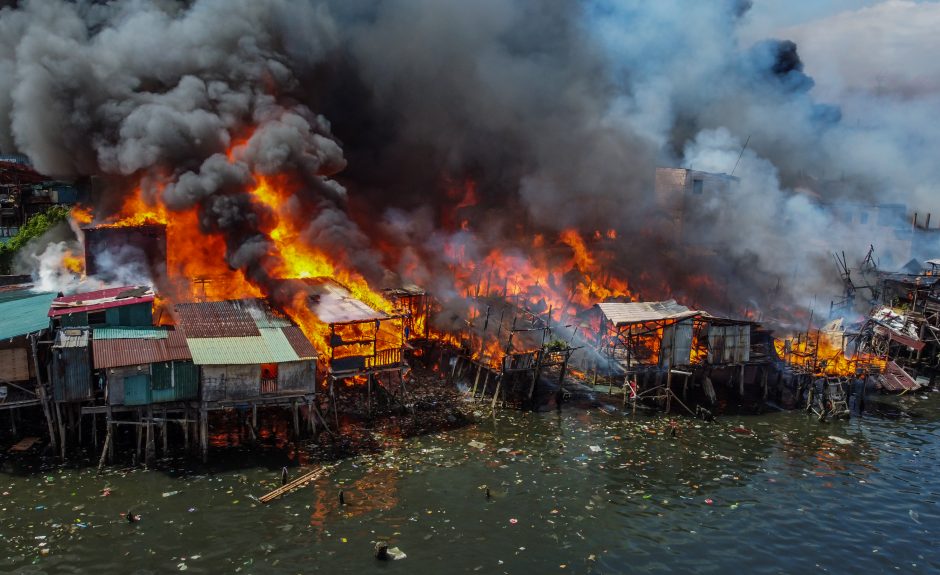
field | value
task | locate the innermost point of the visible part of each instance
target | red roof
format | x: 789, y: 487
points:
x: 120, y: 352
x: 101, y: 299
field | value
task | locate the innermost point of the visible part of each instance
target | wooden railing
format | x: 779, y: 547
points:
x: 387, y: 357
x: 268, y: 385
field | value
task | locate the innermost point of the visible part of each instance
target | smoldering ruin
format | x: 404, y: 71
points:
x: 342, y: 212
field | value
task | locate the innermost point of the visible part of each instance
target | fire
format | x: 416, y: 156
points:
x: 81, y: 215
x: 300, y: 260
x: 73, y: 262
x: 819, y: 353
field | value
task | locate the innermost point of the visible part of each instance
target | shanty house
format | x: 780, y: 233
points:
x: 144, y: 365
x: 24, y: 313
x: 668, y: 334
x: 360, y: 340
x: 246, y: 351
x: 75, y: 315
x: 122, y: 306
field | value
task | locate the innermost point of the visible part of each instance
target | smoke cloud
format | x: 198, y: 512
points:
x: 558, y: 113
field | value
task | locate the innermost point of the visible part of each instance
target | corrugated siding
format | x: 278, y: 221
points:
x: 676, y: 348
x: 296, y: 376
x: 174, y: 381
x: 137, y: 389
x: 116, y: 378
x: 140, y: 314
x: 729, y: 344
x: 24, y: 312
x: 71, y: 374
x: 140, y: 332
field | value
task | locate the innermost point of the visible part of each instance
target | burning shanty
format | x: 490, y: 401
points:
x: 257, y: 257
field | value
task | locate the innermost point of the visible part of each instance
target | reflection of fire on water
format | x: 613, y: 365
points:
x: 376, y: 491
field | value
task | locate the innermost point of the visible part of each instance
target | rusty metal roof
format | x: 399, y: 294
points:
x: 641, y: 312
x: 101, y: 299
x: 302, y: 346
x: 126, y: 351
x: 230, y: 318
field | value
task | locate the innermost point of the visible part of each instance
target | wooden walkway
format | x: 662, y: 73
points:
x: 299, y: 482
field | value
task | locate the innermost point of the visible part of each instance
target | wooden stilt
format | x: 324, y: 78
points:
x: 44, y: 399
x: 333, y: 404
x: 104, y: 450
x: 186, y: 428
x: 151, y: 447
x: 140, y: 437
x: 473, y: 392
x: 110, y: 424
x: 204, y: 432
x: 668, y: 391
x: 499, y: 383
x: 296, y: 418
x: 164, y: 432
x: 62, y: 441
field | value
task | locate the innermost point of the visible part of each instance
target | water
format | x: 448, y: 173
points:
x: 579, y: 492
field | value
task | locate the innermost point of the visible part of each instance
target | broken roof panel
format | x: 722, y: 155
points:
x: 641, y: 312
x: 101, y: 299
x: 72, y: 337
x: 118, y: 352
x: 333, y: 303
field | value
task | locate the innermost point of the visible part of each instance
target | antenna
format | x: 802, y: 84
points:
x: 741, y: 154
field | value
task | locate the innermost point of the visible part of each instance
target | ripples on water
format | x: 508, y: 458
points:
x: 579, y: 492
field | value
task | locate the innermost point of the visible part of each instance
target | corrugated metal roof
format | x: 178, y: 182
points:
x: 101, y: 299
x: 72, y: 337
x: 143, y: 332
x: 299, y: 342
x: 216, y: 319
x: 24, y: 312
x: 639, y: 312
x: 269, y: 347
x: 330, y: 301
x: 119, y: 352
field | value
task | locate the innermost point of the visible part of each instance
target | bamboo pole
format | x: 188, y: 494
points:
x: 299, y: 482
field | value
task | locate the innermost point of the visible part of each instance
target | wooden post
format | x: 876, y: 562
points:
x: 110, y: 424
x: 668, y: 390
x: 186, y: 427
x: 164, y: 429
x: 369, y: 396
x: 473, y: 392
x: 254, y: 416
x: 41, y: 390
x: 204, y: 432
x: 140, y: 434
x: 296, y: 418
x: 104, y: 451
x: 58, y: 416
x: 151, y: 447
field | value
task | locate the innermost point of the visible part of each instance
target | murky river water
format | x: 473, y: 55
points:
x: 579, y: 492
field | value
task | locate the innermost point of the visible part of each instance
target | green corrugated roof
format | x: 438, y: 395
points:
x: 270, y: 347
x: 143, y: 332
x: 23, y: 312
